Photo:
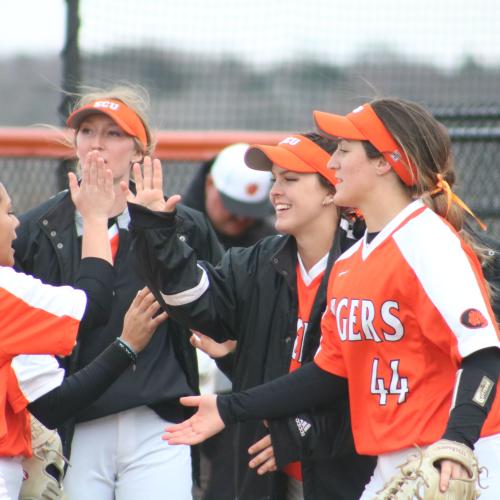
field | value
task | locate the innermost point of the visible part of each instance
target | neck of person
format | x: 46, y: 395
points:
x: 314, y: 244
x: 380, y: 208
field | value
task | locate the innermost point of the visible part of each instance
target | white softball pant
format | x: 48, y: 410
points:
x: 11, y: 477
x: 122, y: 457
x: 487, y: 451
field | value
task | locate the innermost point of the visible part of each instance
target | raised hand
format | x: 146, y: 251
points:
x: 211, y: 347
x: 149, y: 187
x: 206, y: 422
x: 265, y: 460
x: 141, y: 320
x: 94, y: 197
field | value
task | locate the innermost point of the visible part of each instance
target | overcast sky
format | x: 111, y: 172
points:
x: 438, y: 31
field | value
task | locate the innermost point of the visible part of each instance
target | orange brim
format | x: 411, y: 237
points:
x: 126, y: 119
x: 264, y: 157
x: 363, y: 124
x: 336, y: 126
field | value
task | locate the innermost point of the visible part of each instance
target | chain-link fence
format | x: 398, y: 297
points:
x: 265, y: 65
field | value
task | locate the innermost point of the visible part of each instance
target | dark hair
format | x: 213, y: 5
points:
x: 324, y: 143
x: 327, y: 145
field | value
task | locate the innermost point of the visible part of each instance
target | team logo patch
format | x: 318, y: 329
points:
x: 472, y: 318
x: 251, y: 188
x: 396, y: 156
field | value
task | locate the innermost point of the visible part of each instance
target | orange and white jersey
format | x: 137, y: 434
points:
x: 307, y: 288
x: 34, y: 319
x: 308, y: 284
x: 401, y: 314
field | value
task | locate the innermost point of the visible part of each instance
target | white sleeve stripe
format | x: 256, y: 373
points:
x: 56, y: 300
x: 443, y: 269
x: 455, y: 390
x: 188, y: 296
x: 37, y: 374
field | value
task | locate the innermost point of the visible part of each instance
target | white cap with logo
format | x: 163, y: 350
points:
x: 243, y: 191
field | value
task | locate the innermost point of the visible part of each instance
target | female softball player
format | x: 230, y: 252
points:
x: 130, y: 462
x: 408, y: 330
x: 38, y: 319
x: 269, y: 297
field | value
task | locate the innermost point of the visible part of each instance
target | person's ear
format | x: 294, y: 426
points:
x: 209, y: 180
x: 382, y: 166
x: 327, y: 200
x: 138, y: 157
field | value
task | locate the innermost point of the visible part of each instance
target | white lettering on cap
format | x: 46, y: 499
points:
x: 293, y: 141
x: 358, y: 109
x: 106, y: 104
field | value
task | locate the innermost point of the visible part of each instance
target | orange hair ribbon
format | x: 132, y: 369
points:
x: 442, y: 186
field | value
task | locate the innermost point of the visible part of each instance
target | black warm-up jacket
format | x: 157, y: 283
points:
x: 251, y: 296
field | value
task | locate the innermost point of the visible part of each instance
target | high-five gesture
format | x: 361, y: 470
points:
x: 149, y: 187
x: 205, y: 423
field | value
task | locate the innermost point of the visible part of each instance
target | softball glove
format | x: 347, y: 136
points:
x: 419, y: 477
x: 44, y: 471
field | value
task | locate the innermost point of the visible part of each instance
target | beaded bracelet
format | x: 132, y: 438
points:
x: 129, y: 351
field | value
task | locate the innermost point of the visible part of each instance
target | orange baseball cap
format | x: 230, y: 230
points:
x: 363, y: 124
x: 296, y: 153
x: 125, y: 117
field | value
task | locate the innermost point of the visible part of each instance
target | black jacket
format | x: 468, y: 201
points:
x: 49, y: 248
x: 194, y: 197
x: 251, y: 296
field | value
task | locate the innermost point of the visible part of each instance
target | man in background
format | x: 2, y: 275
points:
x: 234, y: 197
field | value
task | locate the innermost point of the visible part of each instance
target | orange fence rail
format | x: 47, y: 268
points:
x: 171, y: 145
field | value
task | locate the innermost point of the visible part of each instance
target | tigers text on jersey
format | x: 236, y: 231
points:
x: 34, y: 319
x: 401, y: 313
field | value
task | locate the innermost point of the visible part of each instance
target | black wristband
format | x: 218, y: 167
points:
x: 125, y: 347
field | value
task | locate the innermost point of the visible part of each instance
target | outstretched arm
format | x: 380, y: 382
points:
x: 287, y: 395
x: 197, y: 294
x: 82, y: 388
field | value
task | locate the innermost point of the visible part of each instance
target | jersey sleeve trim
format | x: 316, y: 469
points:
x: 37, y: 374
x: 190, y: 295
x: 446, y: 273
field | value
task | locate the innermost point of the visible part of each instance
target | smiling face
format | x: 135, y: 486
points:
x: 100, y: 133
x: 299, y: 201
x: 355, y: 172
x: 8, y: 225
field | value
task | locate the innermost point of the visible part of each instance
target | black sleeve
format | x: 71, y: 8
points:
x: 81, y: 389
x: 313, y: 436
x: 290, y: 394
x: 96, y: 278
x: 195, y: 293
x: 475, y: 392
x: 226, y: 365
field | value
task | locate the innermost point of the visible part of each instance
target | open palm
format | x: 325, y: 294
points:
x: 206, y: 422
x: 149, y: 187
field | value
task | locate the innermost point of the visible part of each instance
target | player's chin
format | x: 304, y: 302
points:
x: 282, y: 222
x: 341, y: 198
x: 8, y: 259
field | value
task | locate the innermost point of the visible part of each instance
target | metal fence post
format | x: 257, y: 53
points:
x: 71, y: 77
